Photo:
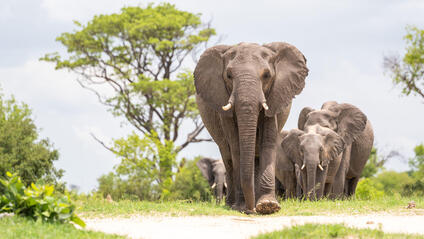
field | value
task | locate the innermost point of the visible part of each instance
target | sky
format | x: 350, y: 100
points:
x: 344, y: 43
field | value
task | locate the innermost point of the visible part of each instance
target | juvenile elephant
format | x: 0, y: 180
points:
x: 214, y: 171
x: 244, y: 95
x: 318, y: 150
x: 354, y: 136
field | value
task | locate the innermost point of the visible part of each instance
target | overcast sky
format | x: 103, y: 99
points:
x: 343, y: 41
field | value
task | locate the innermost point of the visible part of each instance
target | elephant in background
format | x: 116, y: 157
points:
x: 214, y: 172
x: 303, y: 148
x: 244, y: 94
x: 332, y: 145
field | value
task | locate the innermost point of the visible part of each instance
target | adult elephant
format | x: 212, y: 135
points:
x: 354, y: 128
x: 244, y: 95
x: 214, y: 172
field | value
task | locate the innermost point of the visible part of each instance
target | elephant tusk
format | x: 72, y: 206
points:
x: 265, y: 106
x: 225, y: 185
x: 320, y: 167
x: 213, y: 185
x: 303, y: 166
x: 226, y: 107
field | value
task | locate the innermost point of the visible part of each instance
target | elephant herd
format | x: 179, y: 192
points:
x: 244, y: 95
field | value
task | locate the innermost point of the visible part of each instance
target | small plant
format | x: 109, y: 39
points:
x: 36, y: 202
x: 368, y: 190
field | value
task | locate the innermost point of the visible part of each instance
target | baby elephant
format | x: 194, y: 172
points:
x: 329, y: 150
x: 214, y: 171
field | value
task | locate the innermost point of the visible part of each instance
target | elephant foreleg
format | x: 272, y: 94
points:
x: 267, y: 202
x: 231, y: 135
x: 339, y: 184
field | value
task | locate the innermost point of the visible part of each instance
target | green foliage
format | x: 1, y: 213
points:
x: 135, y: 53
x: 21, y: 150
x: 408, y: 73
x: 20, y: 227
x: 36, y: 202
x: 417, y: 173
x: 374, y: 164
x: 393, y: 182
x: 368, y: 189
x: 190, y: 184
x: 145, y: 170
x: 329, y: 231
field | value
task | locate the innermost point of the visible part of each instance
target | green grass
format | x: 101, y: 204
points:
x: 330, y: 231
x: 395, y: 205
x: 19, y: 227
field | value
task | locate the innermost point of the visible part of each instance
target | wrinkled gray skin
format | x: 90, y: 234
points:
x: 339, y: 137
x: 214, y: 172
x: 256, y: 84
x: 286, y: 171
x: 318, y: 148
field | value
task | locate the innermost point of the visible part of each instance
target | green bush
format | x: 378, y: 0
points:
x: 368, y: 189
x: 36, y: 202
x: 22, y: 150
x: 393, y: 182
x: 190, y: 184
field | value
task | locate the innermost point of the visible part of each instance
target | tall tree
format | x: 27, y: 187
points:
x: 137, y: 54
x: 21, y: 149
x: 408, y: 72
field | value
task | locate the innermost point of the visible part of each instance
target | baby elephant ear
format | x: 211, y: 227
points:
x: 290, y: 73
x: 333, y: 147
x: 208, y: 78
x: 303, y: 116
x: 205, y: 167
x: 350, y: 121
x: 291, y: 144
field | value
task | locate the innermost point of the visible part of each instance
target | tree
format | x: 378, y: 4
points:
x: 376, y: 162
x: 408, y: 72
x: 135, y: 54
x: 21, y: 150
x: 190, y: 184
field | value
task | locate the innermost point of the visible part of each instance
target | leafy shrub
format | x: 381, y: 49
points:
x: 393, y: 182
x: 36, y: 202
x: 22, y: 150
x: 368, y: 189
x: 190, y: 184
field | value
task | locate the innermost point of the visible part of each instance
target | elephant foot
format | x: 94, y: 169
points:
x: 267, y: 206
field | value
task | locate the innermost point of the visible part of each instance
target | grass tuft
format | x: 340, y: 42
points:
x: 20, y: 227
x: 309, y: 231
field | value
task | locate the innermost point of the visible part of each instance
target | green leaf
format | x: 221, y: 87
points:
x: 78, y: 221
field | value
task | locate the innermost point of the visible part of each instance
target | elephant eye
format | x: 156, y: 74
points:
x: 229, y: 75
x: 321, y: 149
x: 266, y: 74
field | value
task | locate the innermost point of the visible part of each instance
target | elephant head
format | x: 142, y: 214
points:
x: 347, y: 120
x: 214, y: 171
x: 242, y: 80
x: 312, y: 151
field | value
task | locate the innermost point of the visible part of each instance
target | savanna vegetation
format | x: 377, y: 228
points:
x: 330, y: 231
x: 132, y: 61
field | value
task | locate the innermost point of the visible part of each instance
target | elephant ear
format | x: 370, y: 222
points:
x: 290, y: 73
x: 291, y: 144
x: 333, y: 147
x: 350, y: 121
x: 205, y: 167
x: 303, y: 116
x: 329, y: 104
x: 208, y: 78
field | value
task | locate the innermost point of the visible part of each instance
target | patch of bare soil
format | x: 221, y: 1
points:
x: 244, y: 227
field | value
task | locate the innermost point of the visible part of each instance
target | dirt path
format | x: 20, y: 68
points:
x: 242, y: 227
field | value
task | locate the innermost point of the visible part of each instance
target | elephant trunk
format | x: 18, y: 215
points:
x: 219, y: 192
x: 248, y: 101
x: 311, y: 170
